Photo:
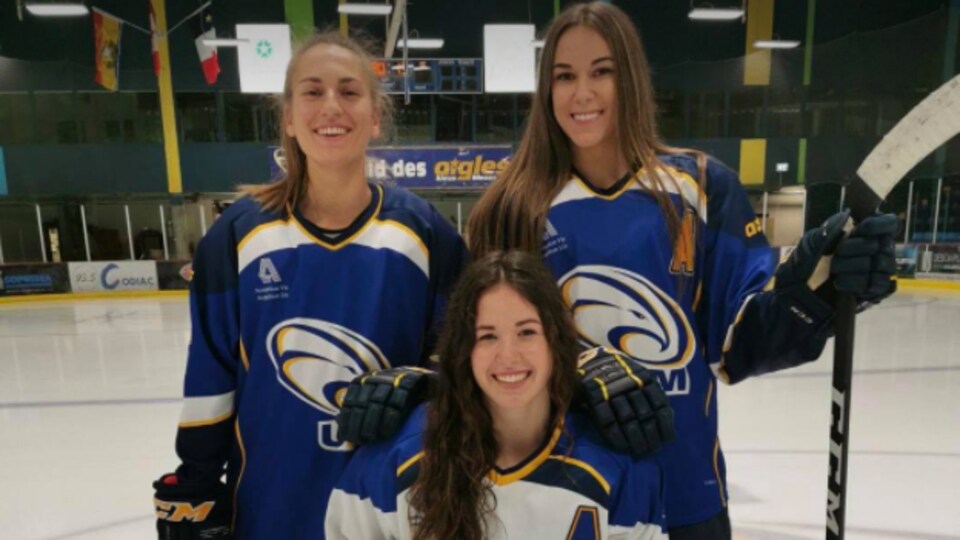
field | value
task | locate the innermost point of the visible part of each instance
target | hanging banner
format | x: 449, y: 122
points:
x: 509, y: 58
x: 106, y: 35
x: 262, y: 61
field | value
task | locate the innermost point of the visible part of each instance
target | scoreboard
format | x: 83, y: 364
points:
x: 431, y: 75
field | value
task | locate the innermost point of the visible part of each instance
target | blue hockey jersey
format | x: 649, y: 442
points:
x: 572, y: 487
x: 675, y: 310
x: 284, y: 316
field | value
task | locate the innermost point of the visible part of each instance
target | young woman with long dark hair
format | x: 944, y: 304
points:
x: 658, y: 252
x: 498, y: 453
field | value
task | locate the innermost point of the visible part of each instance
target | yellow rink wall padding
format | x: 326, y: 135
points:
x: 907, y: 285
x: 71, y: 297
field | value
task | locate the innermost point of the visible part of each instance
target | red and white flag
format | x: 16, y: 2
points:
x: 208, y: 55
x: 154, y: 41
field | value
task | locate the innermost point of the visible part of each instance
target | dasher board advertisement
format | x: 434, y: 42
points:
x: 113, y: 276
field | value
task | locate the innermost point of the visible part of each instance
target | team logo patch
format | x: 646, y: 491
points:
x: 628, y: 312
x: 316, y: 360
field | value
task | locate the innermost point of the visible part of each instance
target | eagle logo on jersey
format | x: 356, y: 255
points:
x: 626, y: 311
x: 316, y: 360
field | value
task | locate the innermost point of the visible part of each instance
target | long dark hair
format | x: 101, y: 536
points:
x: 512, y: 211
x: 450, y: 496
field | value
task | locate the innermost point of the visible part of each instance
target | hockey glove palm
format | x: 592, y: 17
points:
x: 192, y: 511
x: 626, y: 401
x: 377, y: 404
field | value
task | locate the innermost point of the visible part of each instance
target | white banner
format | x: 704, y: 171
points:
x: 113, y: 276
x: 509, y: 58
x: 263, y: 61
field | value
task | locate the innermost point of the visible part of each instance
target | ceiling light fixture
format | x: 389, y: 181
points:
x: 224, y: 42
x: 776, y: 44
x: 420, y: 43
x: 365, y: 9
x: 715, y: 14
x: 47, y: 9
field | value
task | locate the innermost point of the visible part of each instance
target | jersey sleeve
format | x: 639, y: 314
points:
x: 204, y: 435
x: 448, y: 257
x: 637, y: 509
x: 749, y: 328
x: 364, y: 503
x: 738, y: 265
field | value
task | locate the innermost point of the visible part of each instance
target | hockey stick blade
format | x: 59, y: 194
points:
x: 929, y: 125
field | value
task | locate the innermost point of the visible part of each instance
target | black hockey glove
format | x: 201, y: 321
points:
x: 377, y: 404
x: 807, y: 271
x: 865, y: 262
x: 192, y: 511
x: 626, y: 401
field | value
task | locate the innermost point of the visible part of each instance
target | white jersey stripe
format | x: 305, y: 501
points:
x: 398, y: 237
x: 717, y: 367
x: 688, y: 189
x: 206, y: 410
x: 378, y: 234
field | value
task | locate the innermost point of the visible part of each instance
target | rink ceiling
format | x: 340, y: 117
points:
x: 694, y: 65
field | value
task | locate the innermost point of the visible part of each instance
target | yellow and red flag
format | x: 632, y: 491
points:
x: 106, y: 32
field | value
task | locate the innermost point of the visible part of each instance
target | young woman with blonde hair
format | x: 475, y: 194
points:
x: 300, y: 286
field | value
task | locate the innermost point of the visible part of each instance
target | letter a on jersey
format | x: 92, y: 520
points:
x: 268, y: 272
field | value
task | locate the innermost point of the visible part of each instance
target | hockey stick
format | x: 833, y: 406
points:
x: 929, y: 125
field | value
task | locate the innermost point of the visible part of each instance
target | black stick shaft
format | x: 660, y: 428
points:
x: 862, y: 201
x: 840, y: 417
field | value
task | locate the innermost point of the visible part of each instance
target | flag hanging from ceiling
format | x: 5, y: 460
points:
x: 154, y: 41
x: 208, y: 55
x: 106, y: 31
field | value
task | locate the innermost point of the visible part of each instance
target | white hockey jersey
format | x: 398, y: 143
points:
x: 572, y: 487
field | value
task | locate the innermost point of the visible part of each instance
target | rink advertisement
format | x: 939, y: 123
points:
x: 906, y: 260
x: 17, y: 279
x: 464, y: 167
x: 174, y: 275
x: 113, y: 276
x: 423, y: 167
x: 939, y: 261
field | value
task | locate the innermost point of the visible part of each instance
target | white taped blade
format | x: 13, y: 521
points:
x: 931, y: 123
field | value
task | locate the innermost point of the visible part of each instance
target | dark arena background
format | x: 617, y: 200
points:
x: 123, y: 137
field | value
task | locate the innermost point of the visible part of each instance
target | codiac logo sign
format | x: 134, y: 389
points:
x: 113, y: 276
